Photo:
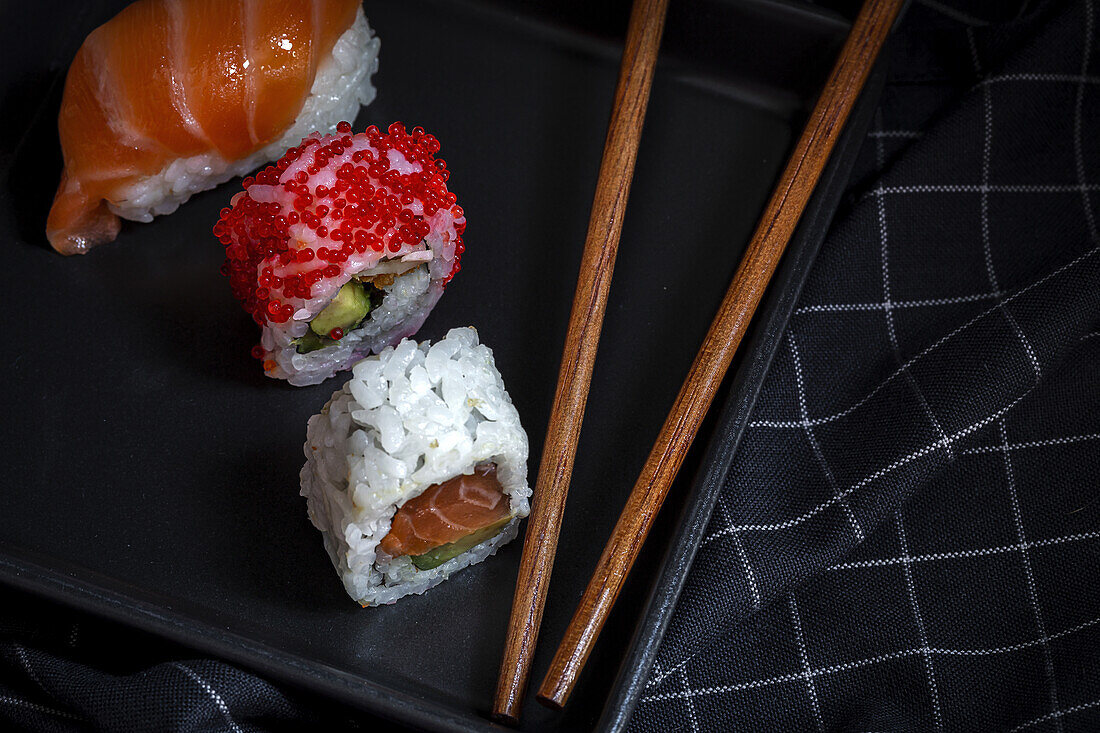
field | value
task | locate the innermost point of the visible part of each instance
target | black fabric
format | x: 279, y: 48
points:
x: 64, y: 671
x: 910, y: 537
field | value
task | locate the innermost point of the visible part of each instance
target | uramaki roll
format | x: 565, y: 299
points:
x: 342, y: 247
x: 416, y: 468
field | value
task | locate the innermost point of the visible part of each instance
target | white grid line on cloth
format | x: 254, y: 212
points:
x: 1032, y: 592
x: 39, y: 708
x: 958, y: 554
x: 943, y: 339
x: 833, y: 486
x: 1057, y: 714
x: 1078, y: 145
x: 931, y: 447
x: 795, y: 521
x: 739, y: 686
x: 741, y: 554
x: 756, y: 600
x: 909, y: 134
x: 219, y: 702
x: 847, y: 666
x: 980, y: 188
x: 1094, y: 334
x: 987, y: 151
x: 659, y: 676
x: 1069, y: 78
x: 840, y: 307
x: 1013, y: 647
x: 911, y: 588
x: 888, y: 313
x: 1032, y: 444
x: 796, y: 621
x: 689, y: 701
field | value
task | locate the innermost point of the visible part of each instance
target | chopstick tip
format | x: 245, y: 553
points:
x: 505, y: 718
x: 555, y: 699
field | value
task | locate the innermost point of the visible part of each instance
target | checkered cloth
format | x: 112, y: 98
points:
x: 910, y: 536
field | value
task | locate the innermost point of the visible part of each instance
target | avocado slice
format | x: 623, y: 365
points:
x: 436, y: 556
x: 346, y: 311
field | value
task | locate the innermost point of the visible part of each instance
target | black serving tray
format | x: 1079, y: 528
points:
x: 151, y: 470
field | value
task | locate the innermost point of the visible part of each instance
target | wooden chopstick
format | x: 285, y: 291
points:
x: 757, y: 266
x: 647, y: 19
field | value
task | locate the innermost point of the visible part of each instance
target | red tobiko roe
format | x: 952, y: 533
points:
x: 369, y: 201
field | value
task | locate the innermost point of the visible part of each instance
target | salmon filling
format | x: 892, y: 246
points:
x: 448, y: 512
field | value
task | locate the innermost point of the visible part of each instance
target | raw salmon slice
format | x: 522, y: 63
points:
x: 447, y: 512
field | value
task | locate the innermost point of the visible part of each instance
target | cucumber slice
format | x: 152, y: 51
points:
x: 436, y: 556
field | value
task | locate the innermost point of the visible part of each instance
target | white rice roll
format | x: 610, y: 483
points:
x: 411, y: 417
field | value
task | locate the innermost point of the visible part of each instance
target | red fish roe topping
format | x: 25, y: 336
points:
x: 305, y: 225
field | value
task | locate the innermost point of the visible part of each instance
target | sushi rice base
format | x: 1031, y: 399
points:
x: 410, y: 417
x: 341, y: 86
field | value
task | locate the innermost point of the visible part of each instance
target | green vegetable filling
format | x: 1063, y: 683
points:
x: 346, y: 310
x: 436, y: 556
x: 352, y: 303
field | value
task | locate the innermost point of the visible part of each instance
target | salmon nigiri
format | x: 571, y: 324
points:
x: 172, y: 97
